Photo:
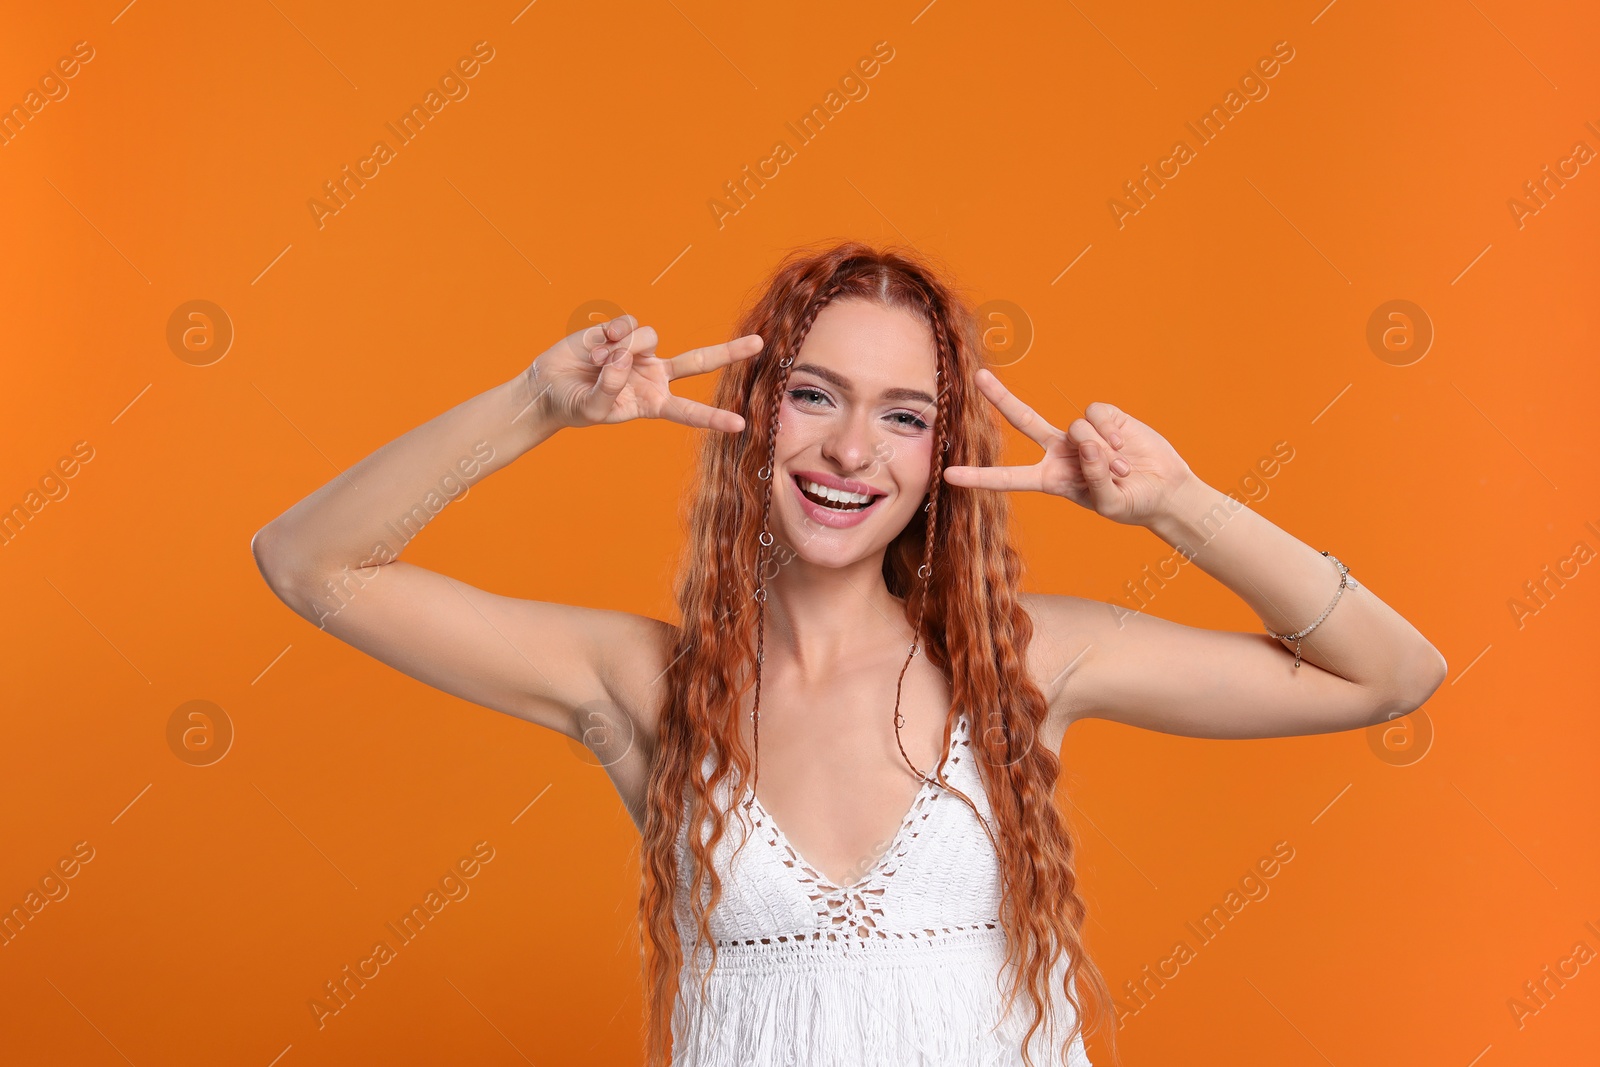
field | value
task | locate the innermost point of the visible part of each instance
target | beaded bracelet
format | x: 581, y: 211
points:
x: 1344, y: 580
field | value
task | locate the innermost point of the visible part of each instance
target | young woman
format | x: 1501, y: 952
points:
x: 852, y: 643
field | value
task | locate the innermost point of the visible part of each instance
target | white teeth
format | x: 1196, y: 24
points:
x: 837, y: 495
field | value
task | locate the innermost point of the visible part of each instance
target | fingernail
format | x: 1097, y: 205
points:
x: 1116, y: 439
x: 1091, y: 452
x: 1120, y: 465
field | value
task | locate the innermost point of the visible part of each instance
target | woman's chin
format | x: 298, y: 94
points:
x: 831, y: 557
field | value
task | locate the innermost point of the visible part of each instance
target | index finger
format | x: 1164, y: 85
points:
x: 686, y: 412
x: 1020, y: 415
x: 1008, y: 479
x: 700, y: 360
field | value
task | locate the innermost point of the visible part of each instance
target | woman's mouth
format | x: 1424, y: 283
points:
x: 833, y: 507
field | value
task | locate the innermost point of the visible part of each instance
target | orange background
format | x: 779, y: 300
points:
x: 1230, y: 313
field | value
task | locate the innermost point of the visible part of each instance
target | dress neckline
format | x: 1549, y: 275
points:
x: 781, y: 840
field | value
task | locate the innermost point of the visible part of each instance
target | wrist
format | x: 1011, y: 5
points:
x: 523, y: 419
x: 1192, y: 514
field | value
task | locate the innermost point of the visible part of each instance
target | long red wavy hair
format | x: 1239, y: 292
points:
x: 955, y: 560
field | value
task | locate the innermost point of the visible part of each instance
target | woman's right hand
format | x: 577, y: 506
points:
x: 610, y: 373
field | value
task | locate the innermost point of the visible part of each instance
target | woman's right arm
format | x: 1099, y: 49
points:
x: 334, y: 557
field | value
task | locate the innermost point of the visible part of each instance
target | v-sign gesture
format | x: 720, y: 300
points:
x: 610, y: 373
x: 1109, y: 461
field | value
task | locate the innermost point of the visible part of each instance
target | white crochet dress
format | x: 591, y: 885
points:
x: 901, y: 969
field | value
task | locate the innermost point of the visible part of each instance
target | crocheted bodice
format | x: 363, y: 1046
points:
x: 903, y: 967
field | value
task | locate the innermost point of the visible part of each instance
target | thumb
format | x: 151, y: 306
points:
x: 1093, y: 463
x: 613, y: 376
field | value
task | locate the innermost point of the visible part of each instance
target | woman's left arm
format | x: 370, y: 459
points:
x: 1362, y: 664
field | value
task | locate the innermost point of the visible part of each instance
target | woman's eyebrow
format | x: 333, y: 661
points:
x: 839, y: 380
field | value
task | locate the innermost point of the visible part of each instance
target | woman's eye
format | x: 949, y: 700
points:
x: 903, y: 419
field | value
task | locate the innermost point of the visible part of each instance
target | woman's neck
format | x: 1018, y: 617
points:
x: 821, y: 617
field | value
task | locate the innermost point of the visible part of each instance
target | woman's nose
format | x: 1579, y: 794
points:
x: 850, y: 444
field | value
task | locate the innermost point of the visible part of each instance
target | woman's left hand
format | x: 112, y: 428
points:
x: 1109, y: 461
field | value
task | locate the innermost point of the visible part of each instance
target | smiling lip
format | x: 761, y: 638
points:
x: 832, y: 517
x: 847, y: 484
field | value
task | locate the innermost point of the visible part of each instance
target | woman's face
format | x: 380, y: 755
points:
x: 856, y: 417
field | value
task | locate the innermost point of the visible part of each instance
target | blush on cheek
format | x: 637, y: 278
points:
x: 909, y: 459
x: 911, y: 464
x: 789, y: 419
